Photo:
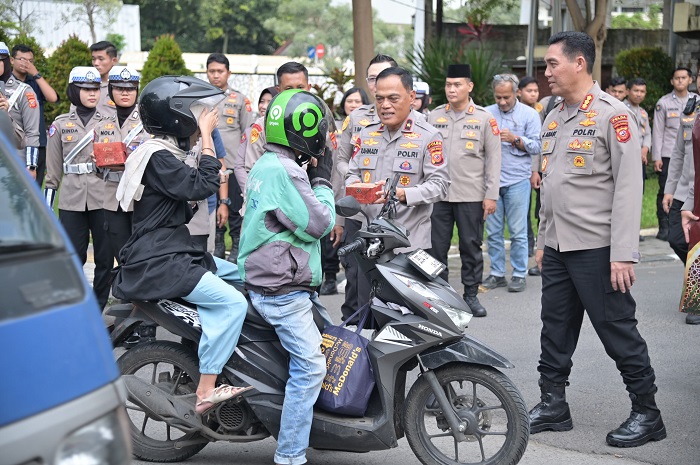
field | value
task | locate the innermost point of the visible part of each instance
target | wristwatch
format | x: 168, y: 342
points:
x: 517, y: 141
x: 225, y: 201
x: 38, y: 76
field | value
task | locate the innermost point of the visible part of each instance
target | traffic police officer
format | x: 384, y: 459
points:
x: 667, y: 119
x: 24, y: 110
x: 126, y: 127
x: 235, y: 115
x: 473, y: 146
x: 402, y: 142
x: 69, y: 166
x: 588, y: 241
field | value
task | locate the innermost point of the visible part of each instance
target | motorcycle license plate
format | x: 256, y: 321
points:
x: 426, y: 264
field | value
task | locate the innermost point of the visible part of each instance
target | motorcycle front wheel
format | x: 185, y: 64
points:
x: 173, y: 368
x: 489, y: 407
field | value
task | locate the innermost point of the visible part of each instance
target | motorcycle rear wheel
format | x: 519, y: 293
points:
x: 487, y: 403
x: 174, y: 368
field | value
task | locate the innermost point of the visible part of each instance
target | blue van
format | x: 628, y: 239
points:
x: 61, y: 400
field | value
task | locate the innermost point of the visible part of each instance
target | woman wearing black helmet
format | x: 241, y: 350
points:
x: 161, y: 177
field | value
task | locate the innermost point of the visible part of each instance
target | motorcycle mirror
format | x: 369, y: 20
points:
x: 348, y: 206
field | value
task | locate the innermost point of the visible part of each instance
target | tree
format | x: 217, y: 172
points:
x: 592, y: 24
x: 118, y: 40
x: 237, y: 27
x: 16, y: 16
x: 94, y: 13
x: 164, y: 58
x: 71, y: 53
x: 652, y: 64
x: 638, y: 20
x: 178, y: 17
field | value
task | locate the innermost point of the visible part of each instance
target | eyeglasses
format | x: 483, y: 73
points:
x: 505, y: 77
x: 371, y: 79
x: 30, y: 60
x: 123, y: 90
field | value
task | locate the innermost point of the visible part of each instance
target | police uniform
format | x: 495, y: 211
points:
x: 415, y: 152
x: 26, y: 115
x: 667, y: 119
x: 473, y: 146
x: 81, y: 200
x: 591, y: 207
x: 235, y: 115
x: 681, y: 174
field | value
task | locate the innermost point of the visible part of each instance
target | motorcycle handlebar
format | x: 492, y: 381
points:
x: 357, y: 244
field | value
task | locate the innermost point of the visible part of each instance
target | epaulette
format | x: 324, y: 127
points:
x: 441, y: 107
x: 63, y: 116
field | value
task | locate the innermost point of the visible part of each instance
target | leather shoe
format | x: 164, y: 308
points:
x: 643, y: 425
x: 328, y: 288
x: 552, y: 413
x: 516, y: 284
x: 475, y: 306
x: 534, y: 271
x: 692, y: 319
x: 492, y: 282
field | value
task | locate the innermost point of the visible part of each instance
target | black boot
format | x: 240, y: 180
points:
x: 219, y: 245
x: 233, y: 256
x: 643, y: 425
x: 472, y: 301
x: 663, y: 229
x: 552, y: 413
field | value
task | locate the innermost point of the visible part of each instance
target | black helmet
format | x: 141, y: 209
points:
x: 171, y: 105
x: 297, y: 119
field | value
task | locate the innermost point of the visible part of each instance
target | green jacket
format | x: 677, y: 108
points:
x: 285, y: 218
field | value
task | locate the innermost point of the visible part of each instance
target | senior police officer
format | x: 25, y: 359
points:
x: 70, y: 167
x: 473, y: 146
x: 402, y: 142
x: 24, y: 111
x: 667, y: 119
x: 588, y: 241
x: 235, y: 115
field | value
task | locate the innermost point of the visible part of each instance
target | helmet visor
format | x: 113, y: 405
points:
x: 197, y: 107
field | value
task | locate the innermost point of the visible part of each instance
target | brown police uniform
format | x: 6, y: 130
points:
x: 415, y: 152
x: 473, y: 148
x: 591, y: 206
x: 26, y: 115
x: 358, y: 119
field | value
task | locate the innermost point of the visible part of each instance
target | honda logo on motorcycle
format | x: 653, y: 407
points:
x: 430, y: 330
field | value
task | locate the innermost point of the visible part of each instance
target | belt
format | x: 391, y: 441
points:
x: 114, y: 176
x: 79, y: 168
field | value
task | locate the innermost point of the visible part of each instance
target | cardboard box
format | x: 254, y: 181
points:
x: 365, y: 193
x: 109, y: 154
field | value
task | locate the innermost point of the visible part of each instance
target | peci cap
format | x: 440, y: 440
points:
x: 459, y: 71
x: 85, y: 76
x: 4, y: 50
x: 123, y: 76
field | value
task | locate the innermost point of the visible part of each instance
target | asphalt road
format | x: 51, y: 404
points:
x: 597, y: 395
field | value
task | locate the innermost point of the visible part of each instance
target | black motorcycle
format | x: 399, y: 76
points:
x: 461, y: 409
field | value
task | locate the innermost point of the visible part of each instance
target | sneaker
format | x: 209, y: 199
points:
x: 516, y: 285
x: 492, y: 282
x: 534, y: 271
x: 341, y: 286
x: 692, y: 319
x: 329, y: 287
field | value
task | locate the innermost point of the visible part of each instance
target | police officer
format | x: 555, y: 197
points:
x: 24, y: 110
x: 401, y: 143
x: 357, y: 287
x: 235, y: 115
x: 588, y: 241
x: 125, y: 127
x: 104, y: 56
x: 667, y: 119
x: 473, y: 146
x: 70, y: 167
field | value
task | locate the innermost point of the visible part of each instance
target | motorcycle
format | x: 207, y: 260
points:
x: 460, y: 409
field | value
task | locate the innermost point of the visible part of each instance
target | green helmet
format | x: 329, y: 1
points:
x: 297, y: 119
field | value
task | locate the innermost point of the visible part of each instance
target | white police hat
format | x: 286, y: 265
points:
x: 421, y: 87
x: 3, y: 49
x: 123, y: 76
x: 85, y: 76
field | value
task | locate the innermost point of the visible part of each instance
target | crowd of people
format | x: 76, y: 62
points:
x: 165, y: 213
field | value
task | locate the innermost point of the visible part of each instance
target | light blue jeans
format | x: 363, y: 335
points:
x: 221, y: 311
x: 291, y: 316
x: 513, y: 202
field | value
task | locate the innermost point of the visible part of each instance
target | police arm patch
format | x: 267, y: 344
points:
x: 52, y: 130
x: 435, y: 150
x: 494, y: 127
x: 620, y: 124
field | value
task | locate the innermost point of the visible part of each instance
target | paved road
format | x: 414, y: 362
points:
x: 597, y: 396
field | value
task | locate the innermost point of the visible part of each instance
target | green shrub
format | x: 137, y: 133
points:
x: 164, y: 58
x: 653, y: 65
x: 430, y: 65
x: 71, y: 53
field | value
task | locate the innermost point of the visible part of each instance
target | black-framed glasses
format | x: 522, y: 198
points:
x: 371, y: 79
x: 506, y: 77
x: 30, y: 60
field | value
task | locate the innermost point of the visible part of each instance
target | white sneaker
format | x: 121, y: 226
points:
x: 341, y: 286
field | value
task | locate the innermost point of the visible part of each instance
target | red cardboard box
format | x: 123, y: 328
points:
x: 110, y: 154
x: 365, y: 193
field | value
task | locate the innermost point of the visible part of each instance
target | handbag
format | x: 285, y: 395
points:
x: 349, y: 379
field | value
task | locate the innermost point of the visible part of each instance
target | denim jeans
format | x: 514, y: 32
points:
x: 291, y: 316
x: 513, y: 202
x: 221, y: 311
